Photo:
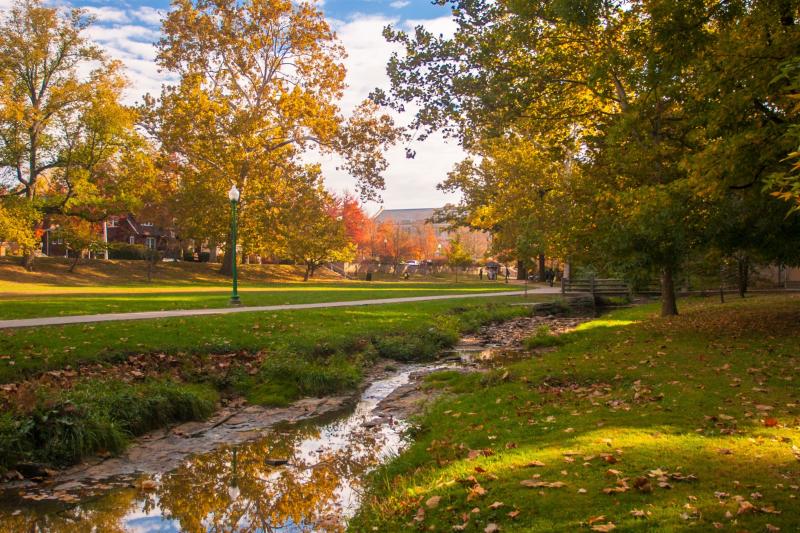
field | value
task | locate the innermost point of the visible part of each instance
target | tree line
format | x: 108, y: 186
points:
x: 638, y: 138
x: 258, y: 85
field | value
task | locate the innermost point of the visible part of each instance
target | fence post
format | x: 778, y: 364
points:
x: 592, y: 280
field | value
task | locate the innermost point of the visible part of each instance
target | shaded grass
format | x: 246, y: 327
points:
x: 712, y: 393
x: 543, y: 338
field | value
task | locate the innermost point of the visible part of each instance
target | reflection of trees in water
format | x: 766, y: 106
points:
x: 302, y: 496
x: 105, y: 514
x: 305, y: 495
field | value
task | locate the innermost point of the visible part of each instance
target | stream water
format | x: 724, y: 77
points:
x: 238, y: 488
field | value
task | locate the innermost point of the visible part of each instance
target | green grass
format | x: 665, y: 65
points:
x: 305, y: 353
x: 712, y: 393
x: 26, y: 351
x: 158, y: 297
x: 65, y: 426
x: 543, y: 338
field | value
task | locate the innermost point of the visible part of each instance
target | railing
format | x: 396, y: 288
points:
x: 596, y: 286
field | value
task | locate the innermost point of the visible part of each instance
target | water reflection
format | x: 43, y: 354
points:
x: 240, y: 488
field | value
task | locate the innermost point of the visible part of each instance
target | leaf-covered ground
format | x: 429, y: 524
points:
x: 636, y: 423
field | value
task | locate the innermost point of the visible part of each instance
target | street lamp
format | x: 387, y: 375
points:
x: 233, y: 196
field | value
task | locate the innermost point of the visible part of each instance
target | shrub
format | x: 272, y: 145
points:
x: 128, y: 251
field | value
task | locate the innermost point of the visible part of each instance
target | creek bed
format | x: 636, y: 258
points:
x: 248, y: 469
x: 244, y: 486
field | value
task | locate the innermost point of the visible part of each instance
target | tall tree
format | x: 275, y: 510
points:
x: 259, y: 83
x: 67, y: 144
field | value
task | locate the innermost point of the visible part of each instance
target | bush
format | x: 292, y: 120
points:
x: 128, y: 251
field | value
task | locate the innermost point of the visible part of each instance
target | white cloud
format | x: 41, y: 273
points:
x: 399, y: 4
x: 148, y: 15
x: 409, y: 182
x: 107, y: 14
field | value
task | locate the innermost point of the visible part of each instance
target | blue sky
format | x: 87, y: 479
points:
x: 127, y: 30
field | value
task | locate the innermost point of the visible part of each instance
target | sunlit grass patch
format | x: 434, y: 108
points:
x: 640, y: 422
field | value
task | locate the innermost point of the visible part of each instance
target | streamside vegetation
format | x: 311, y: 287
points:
x: 634, y: 423
x: 83, y: 390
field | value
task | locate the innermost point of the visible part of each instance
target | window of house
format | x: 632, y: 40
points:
x: 151, y: 243
x: 147, y: 224
x: 131, y: 240
x: 113, y: 222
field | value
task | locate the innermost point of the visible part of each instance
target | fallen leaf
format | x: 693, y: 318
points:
x: 496, y: 505
x: 513, y: 514
x: 638, y: 513
x: 491, y: 528
x: 433, y: 502
x: 604, y: 527
x: 542, y: 484
x: 534, y: 463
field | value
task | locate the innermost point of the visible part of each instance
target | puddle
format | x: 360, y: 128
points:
x: 238, y: 487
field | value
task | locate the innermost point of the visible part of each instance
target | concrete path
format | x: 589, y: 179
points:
x: 108, y: 317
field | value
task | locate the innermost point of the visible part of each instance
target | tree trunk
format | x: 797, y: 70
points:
x: 541, y: 267
x: 669, y: 306
x: 27, y: 260
x: 227, y: 265
x: 212, y: 251
x: 308, y: 272
x: 74, y: 263
x: 744, y: 274
x: 522, y: 272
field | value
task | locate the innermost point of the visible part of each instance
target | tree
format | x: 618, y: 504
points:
x: 67, y: 144
x: 259, y: 82
x: 80, y: 237
x: 314, y: 232
x: 457, y: 255
x: 632, y: 100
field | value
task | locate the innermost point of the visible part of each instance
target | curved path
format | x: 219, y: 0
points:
x: 108, y: 317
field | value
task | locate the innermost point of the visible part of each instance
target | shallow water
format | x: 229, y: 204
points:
x: 237, y: 488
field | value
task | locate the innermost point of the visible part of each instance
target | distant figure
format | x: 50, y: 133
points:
x: 405, y: 276
x: 480, y: 273
x: 506, y: 274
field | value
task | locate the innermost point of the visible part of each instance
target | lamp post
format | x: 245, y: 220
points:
x: 233, y: 195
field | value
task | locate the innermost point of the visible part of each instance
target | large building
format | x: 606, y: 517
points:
x: 409, y: 219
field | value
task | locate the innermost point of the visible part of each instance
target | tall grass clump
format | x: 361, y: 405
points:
x: 63, y: 427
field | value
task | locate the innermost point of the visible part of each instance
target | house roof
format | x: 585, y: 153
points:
x: 406, y: 216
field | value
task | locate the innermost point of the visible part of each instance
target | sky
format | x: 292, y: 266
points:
x: 127, y: 30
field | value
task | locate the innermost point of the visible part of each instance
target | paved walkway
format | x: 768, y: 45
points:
x: 108, y: 317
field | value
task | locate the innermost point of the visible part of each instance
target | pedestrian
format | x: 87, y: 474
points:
x: 506, y: 274
x: 481, y: 274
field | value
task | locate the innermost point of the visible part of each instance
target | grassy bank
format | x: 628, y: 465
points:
x: 636, y: 423
x: 299, y: 353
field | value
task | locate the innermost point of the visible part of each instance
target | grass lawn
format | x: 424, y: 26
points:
x: 636, y: 423
x: 119, y: 299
